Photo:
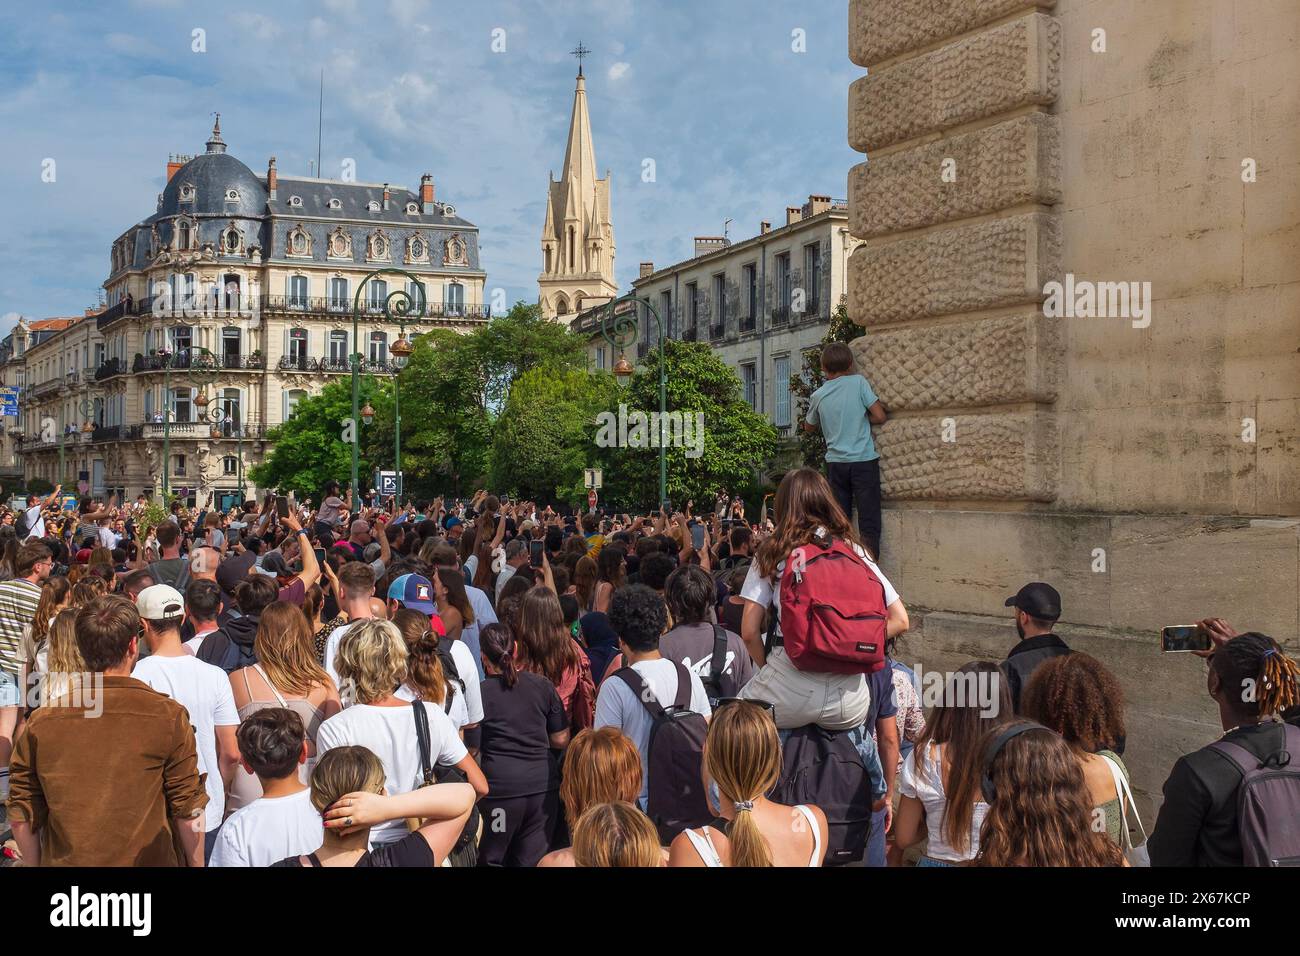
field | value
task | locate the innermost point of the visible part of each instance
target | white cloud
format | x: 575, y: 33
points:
x: 619, y: 70
x: 257, y: 26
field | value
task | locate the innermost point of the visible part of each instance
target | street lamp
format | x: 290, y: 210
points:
x: 218, y: 416
x: 367, y: 414
x: 401, y: 351
x: 621, y: 330
x: 400, y: 305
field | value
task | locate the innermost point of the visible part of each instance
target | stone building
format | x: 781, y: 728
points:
x: 578, y: 234
x: 1139, y: 453
x: 761, y: 303
x: 240, y: 288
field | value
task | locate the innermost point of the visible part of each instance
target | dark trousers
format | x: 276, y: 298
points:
x: 517, y: 831
x: 858, y: 482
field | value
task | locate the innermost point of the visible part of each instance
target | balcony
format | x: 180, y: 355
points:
x: 781, y: 315
x: 717, y: 331
x: 109, y: 368
x: 747, y: 323
x: 324, y: 305
x: 688, y: 334
x: 48, y: 387
x: 184, y: 359
x: 812, y: 310
x: 106, y: 433
x: 302, y: 363
x: 251, y: 431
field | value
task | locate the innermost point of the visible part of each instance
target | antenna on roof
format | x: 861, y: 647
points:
x: 320, y: 118
x: 725, y: 224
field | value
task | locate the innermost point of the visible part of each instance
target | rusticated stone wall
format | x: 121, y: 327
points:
x: 1151, y: 471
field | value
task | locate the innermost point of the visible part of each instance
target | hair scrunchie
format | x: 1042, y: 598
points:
x: 743, y: 805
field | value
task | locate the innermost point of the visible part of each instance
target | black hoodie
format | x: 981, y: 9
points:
x: 230, y: 647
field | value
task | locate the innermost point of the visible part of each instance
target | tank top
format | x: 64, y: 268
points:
x: 245, y: 787
x: 703, y: 841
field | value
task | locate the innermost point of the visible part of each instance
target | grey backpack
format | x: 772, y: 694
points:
x: 1268, y: 801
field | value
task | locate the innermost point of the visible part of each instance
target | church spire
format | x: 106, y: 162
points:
x: 216, y: 144
x: 580, y: 154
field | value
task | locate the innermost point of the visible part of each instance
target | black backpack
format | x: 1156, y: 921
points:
x: 1268, y: 800
x: 674, y: 757
x: 451, y: 673
x: 21, y: 528
x: 465, y: 852
x: 823, y: 768
x: 230, y: 657
x: 717, y: 664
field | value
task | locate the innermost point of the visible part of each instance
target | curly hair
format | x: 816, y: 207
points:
x: 1080, y: 699
x: 372, y: 661
x: 638, y: 616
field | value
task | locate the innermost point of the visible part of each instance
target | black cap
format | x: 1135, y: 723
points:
x: 1038, y: 600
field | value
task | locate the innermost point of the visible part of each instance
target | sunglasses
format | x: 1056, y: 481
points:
x: 727, y: 701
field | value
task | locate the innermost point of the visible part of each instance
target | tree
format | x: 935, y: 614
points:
x: 308, y: 450
x: 812, y: 445
x: 543, y: 438
x: 734, y: 442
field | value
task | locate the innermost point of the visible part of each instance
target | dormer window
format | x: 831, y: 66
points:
x: 373, y: 206
x: 295, y: 201
x: 299, y: 241
x: 336, y: 204
x: 412, y: 209
x: 231, y: 240
x: 232, y: 195
x: 187, y: 192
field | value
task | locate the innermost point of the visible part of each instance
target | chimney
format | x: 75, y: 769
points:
x: 764, y: 227
x: 791, y: 215
x: 387, y: 195
x: 426, y: 194
x: 271, y: 178
x: 174, y: 163
x: 706, y: 244
x: 647, y: 268
x: 815, y: 205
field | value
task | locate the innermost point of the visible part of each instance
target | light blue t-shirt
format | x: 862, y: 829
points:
x: 840, y: 407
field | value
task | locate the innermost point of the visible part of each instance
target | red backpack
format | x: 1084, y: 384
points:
x: 832, y: 618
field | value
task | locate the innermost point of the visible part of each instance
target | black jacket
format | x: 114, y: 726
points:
x: 1197, y: 823
x: 230, y: 647
x: 1025, y: 658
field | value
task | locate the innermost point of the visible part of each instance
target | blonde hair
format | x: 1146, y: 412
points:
x: 371, y: 660
x: 283, y: 645
x: 616, y: 834
x: 345, y: 770
x: 742, y: 754
x: 600, y: 766
x: 64, y: 659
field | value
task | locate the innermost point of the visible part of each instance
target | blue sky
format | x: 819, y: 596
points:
x: 738, y: 123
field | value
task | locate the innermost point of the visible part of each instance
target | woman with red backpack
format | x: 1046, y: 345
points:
x: 816, y: 654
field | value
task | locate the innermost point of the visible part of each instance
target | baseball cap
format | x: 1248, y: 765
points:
x: 160, y: 602
x: 414, y: 591
x: 1037, y: 600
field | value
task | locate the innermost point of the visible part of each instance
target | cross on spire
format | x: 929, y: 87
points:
x: 580, y: 52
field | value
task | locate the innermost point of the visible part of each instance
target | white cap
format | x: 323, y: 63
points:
x: 160, y: 602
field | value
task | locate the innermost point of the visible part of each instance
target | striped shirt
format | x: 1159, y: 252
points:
x: 18, y: 600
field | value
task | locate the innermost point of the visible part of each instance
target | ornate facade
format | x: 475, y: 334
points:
x: 241, y: 288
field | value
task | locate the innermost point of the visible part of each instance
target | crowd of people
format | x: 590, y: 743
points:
x: 496, y: 683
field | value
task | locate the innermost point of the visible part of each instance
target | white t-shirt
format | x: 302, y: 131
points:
x: 617, y: 706
x: 389, y: 733
x: 926, y: 784
x: 459, y: 713
x: 204, y: 691
x: 761, y: 590
x: 332, y: 649
x: 106, y: 537
x: 268, y: 830
x: 35, y: 523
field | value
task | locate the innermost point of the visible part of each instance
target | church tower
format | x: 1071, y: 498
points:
x: 578, y: 235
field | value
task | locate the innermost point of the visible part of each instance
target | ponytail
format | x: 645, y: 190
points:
x: 1256, y: 671
x: 424, y: 668
x: 748, y: 845
x: 498, y: 646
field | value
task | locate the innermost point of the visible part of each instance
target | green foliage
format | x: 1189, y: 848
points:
x: 738, y: 441
x: 154, y: 513
x: 812, y: 445
x: 450, y: 394
x: 308, y: 450
x: 543, y: 438
x: 39, y: 486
